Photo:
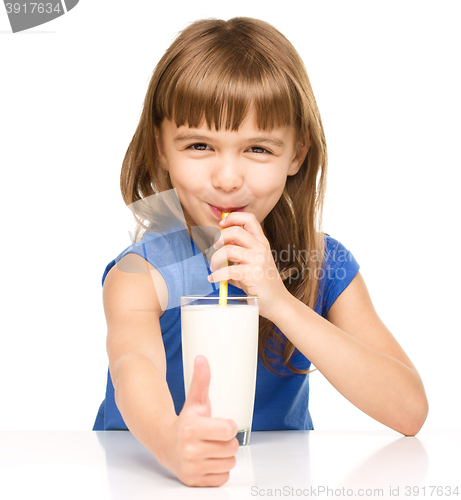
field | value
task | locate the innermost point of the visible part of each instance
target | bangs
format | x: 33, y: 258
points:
x: 221, y: 84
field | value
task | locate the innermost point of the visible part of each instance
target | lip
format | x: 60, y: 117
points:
x: 217, y: 211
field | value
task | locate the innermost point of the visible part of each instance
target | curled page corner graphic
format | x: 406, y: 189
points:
x: 27, y: 14
x: 70, y: 4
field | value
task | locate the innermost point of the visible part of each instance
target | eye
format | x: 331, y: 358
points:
x: 258, y: 150
x: 199, y: 146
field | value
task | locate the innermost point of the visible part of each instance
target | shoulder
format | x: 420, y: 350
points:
x: 133, y: 284
x: 336, y: 254
x: 149, y: 267
x: 338, y: 270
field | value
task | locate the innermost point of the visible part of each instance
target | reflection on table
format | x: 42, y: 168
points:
x: 285, y: 464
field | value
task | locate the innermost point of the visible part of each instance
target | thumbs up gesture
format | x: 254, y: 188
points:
x: 202, y: 448
x: 198, y: 400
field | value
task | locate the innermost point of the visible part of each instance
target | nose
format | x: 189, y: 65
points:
x: 227, y: 174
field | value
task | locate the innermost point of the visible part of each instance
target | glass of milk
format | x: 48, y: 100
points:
x: 228, y: 337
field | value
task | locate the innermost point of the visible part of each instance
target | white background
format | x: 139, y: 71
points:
x: 386, y: 76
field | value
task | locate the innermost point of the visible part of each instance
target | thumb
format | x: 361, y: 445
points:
x: 199, y: 386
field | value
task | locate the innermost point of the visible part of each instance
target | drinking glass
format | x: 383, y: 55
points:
x: 228, y: 337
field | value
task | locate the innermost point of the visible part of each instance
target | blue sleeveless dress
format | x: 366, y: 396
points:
x: 281, y: 401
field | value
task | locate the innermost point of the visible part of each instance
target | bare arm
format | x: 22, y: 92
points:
x: 359, y: 356
x: 200, y: 450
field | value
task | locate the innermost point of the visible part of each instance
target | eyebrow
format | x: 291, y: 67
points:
x: 269, y: 139
x: 187, y: 136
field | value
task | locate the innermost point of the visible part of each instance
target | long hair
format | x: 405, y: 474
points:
x: 218, y: 71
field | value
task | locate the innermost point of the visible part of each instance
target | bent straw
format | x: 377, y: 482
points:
x: 223, y: 284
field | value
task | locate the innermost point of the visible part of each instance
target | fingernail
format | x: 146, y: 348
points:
x: 210, y: 278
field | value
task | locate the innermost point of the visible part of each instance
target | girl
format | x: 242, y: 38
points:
x: 231, y: 124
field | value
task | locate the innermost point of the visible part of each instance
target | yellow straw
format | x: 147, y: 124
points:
x: 223, y: 284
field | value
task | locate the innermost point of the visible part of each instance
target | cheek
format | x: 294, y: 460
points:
x: 184, y: 182
x: 269, y: 185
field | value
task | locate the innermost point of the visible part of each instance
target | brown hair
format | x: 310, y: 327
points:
x: 218, y: 70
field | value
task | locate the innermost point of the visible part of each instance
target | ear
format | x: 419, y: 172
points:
x: 301, y: 150
x: 160, y: 149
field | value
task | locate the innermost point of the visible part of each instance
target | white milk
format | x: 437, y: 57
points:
x: 228, y: 338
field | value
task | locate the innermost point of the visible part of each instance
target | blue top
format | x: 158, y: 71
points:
x: 281, y: 401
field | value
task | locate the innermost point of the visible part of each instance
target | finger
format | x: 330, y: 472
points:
x: 220, y: 449
x: 234, y: 254
x: 236, y: 235
x: 204, y: 450
x: 209, y: 480
x: 245, y: 274
x: 246, y: 220
x: 220, y: 465
x: 199, y: 387
x: 235, y: 273
x: 214, y: 430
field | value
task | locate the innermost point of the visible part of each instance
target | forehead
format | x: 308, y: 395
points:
x: 248, y: 130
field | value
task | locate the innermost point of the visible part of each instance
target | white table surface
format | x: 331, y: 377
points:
x: 288, y: 464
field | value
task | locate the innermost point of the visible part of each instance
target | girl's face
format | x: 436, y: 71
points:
x: 216, y: 171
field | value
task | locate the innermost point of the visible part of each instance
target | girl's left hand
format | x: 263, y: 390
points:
x: 243, y: 243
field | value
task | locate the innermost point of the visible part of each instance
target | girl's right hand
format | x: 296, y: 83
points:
x: 200, y: 449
